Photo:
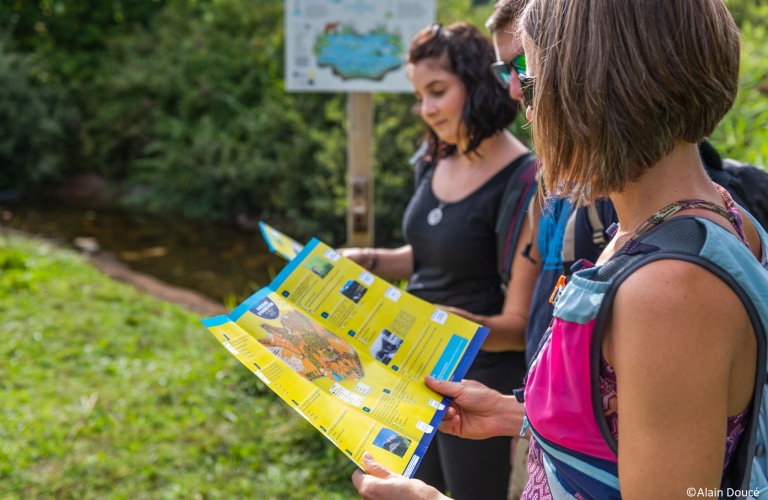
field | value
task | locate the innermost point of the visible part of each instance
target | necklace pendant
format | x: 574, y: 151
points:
x: 435, y: 216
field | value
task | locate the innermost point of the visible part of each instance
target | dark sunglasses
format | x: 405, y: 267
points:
x: 502, y: 70
x: 526, y: 84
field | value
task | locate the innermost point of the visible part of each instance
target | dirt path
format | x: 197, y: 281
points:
x: 107, y: 263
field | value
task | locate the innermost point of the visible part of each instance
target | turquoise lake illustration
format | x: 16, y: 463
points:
x: 355, y: 55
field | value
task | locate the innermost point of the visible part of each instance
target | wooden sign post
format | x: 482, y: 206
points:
x: 360, y: 169
x: 359, y: 48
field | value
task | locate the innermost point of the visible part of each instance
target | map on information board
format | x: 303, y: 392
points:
x: 351, y: 45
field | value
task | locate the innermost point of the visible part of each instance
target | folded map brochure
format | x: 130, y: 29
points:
x: 279, y: 243
x: 349, y: 352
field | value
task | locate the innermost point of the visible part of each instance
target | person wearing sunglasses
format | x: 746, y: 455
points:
x: 663, y: 341
x: 510, y: 68
x: 511, y: 74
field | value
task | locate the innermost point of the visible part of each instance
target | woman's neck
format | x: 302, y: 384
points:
x: 678, y: 176
x: 498, y: 146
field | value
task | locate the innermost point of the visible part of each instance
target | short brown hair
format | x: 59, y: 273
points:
x: 505, y: 15
x: 619, y: 83
x: 468, y: 54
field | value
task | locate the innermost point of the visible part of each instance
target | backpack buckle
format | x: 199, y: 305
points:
x: 557, y: 291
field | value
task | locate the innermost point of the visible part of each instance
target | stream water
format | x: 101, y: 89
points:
x: 218, y: 260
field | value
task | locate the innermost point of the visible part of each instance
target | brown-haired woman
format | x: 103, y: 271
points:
x: 449, y: 225
x: 664, y: 341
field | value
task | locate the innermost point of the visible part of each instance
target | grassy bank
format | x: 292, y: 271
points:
x: 106, y: 393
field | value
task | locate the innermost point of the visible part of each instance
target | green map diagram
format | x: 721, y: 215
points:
x: 351, y: 54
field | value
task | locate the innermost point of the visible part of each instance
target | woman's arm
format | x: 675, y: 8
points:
x: 392, y: 263
x: 508, y: 328
x: 684, y: 353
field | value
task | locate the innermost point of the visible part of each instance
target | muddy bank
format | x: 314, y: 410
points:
x: 220, y: 261
x: 107, y: 263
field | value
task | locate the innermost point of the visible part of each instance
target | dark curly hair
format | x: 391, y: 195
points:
x: 487, y: 107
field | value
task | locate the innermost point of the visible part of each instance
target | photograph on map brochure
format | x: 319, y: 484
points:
x: 392, y: 442
x: 353, y: 290
x: 386, y: 346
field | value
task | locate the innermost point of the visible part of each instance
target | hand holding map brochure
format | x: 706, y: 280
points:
x: 349, y: 352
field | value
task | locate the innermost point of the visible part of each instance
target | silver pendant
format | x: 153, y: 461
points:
x: 435, y: 216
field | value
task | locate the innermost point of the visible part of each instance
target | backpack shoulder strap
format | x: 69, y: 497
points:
x: 420, y: 169
x: 599, y: 238
x: 516, y: 200
x: 420, y: 165
x: 569, y: 242
x: 684, y: 238
x: 748, y: 187
x: 598, y: 230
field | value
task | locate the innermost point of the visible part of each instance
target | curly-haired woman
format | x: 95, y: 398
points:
x: 450, y: 227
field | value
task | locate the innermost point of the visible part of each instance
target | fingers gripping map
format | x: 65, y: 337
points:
x: 351, y: 45
x: 349, y: 352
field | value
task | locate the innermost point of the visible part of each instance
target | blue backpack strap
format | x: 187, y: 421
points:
x: 520, y: 190
x: 680, y: 238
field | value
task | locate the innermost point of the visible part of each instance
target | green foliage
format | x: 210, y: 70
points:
x: 748, y: 11
x: 37, y: 123
x: 106, y: 393
x: 207, y: 126
x: 73, y: 34
x: 182, y: 101
x: 12, y: 260
x: 743, y: 133
x: 195, y: 116
x: 451, y: 11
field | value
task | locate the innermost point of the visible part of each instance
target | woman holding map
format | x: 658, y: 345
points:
x: 450, y: 226
x: 663, y: 341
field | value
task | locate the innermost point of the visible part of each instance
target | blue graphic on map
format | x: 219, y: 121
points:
x: 353, y: 55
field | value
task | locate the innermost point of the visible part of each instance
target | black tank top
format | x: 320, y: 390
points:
x: 454, y: 261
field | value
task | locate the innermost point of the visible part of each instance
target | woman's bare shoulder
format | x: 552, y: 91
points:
x: 677, y: 304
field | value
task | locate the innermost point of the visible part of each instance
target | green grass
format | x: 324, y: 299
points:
x: 108, y: 393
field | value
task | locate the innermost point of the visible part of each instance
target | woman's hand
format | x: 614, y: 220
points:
x: 464, y: 314
x: 381, y: 483
x: 394, y: 263
x: 476, y: 411
x: 361, y: 256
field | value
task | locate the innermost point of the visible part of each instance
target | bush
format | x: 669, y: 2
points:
x: 183, y: 102
x: 37, y: 124
x: 193, y: 115
x: 193, y: 112
x: 72, y: 35
x: 743, y: 133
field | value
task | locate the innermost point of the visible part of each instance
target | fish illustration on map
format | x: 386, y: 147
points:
x: 311, y: 350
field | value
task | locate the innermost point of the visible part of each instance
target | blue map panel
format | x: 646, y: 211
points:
x: 368, y: 56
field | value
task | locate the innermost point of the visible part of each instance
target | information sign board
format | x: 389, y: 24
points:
x: 351, y: 45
